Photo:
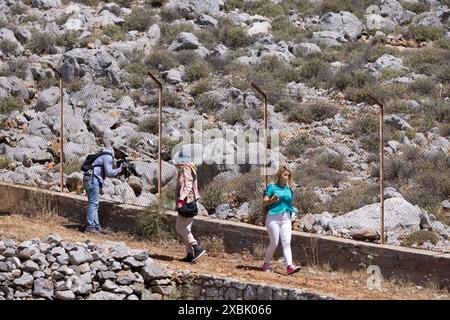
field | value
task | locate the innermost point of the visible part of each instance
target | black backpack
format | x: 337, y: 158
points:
x: 87, y: 164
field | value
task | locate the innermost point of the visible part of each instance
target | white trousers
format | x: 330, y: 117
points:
x: 279, y: 226
x: 183, y: 227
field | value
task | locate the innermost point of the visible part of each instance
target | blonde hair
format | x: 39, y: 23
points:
x: 283, y: 168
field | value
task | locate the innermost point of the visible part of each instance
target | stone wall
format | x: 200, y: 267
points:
x: 54, y: 269
x: 204, y: 287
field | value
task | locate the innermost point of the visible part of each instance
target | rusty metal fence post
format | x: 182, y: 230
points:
x: 255, y: 87
x: 61, y: 130
x: 160, y: 88
x: 381, y: 165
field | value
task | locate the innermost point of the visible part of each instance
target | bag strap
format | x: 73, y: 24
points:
x: 195, y: 178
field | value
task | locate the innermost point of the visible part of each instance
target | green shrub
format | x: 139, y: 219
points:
x: 331, y: 160
x: 357, y: 7
x: 295, y: 147
x: 443, y: 74
x: 8, y: 47
x: 426, y: 33
x: 307, y: 201
x: 154, y: 223
x: 170, y: 31
x: 197, y: 71
x: 283, y: 29
x: 209, y: 37
x: 42, y: 43
x: 136, y: 68
x: 351, y: 77
x: 115, y: 32
x: 149, y: 124
x: 233, y: 36
x: 135, y: 80
x: 442, y: 216
x: 140, y: 19
x: 266, y: 8
x: 285, y: 105
x: 429, y: 61
x: 63, y: 19
x: 354, y: 197
x: 420, y: 237
x: 28, y: 18
x: 234, y: 115
x: 72, y: 167
x: 315, y: 111
x: 397, y: 106
x: 75, y: 85
x: 170, y: 14
x: 66, y: 39
x: 246, y: 186
x: 202, y: 86
x: 47, y: 83
x: 9, y: 104
x: 172, y: 99
x: 367, y: 130
x: 207, y: 102
x: 444, y: 130
x: 212, y: 195
x: 160, y: 59
x: 315, y: 72
x: 311, y: 175
x: 230, y: 5
x: 188, y: 57
x: 418, y: 173
x: 442, y: 44
x: 423, y: 87
x: 4, y: 162
x: 18, y: 9
x: 416, y: 7
x: 18, y: 67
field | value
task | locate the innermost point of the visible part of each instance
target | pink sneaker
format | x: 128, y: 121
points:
x: 293, y: 269
x: 267, y: 267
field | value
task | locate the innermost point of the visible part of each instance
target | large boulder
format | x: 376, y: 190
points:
x: 149, y: 171
x: 184, y: 41
x: 400, y: 217
x: 377, y: 22
x: 307, y: 49
x: 343, y: 22
x: 435, y: 18
x: 154, y: 34
x: 329, y: 38
x: 193, y: 8
x: 388, y: 61
x: 259, y: 28
x: 46, y: 4
x: 101, y: 122
x: 48, y: 98
x: 394, y: 11
x: 396, y: 122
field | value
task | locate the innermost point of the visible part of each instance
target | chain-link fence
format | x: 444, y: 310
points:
x: 337, y: 176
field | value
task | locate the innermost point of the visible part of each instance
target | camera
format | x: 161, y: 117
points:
x: 129, y: 169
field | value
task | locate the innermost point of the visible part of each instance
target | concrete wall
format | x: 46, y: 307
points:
x: 418, y: 266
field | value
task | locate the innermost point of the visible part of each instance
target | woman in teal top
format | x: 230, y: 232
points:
x: 278, y: 204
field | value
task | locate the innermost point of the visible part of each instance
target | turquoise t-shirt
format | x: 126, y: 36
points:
x: 285, y: 199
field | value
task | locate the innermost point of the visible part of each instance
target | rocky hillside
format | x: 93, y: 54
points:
x: 316, y: 60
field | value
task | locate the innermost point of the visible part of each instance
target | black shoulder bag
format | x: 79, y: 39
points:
x: 189, y: 209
